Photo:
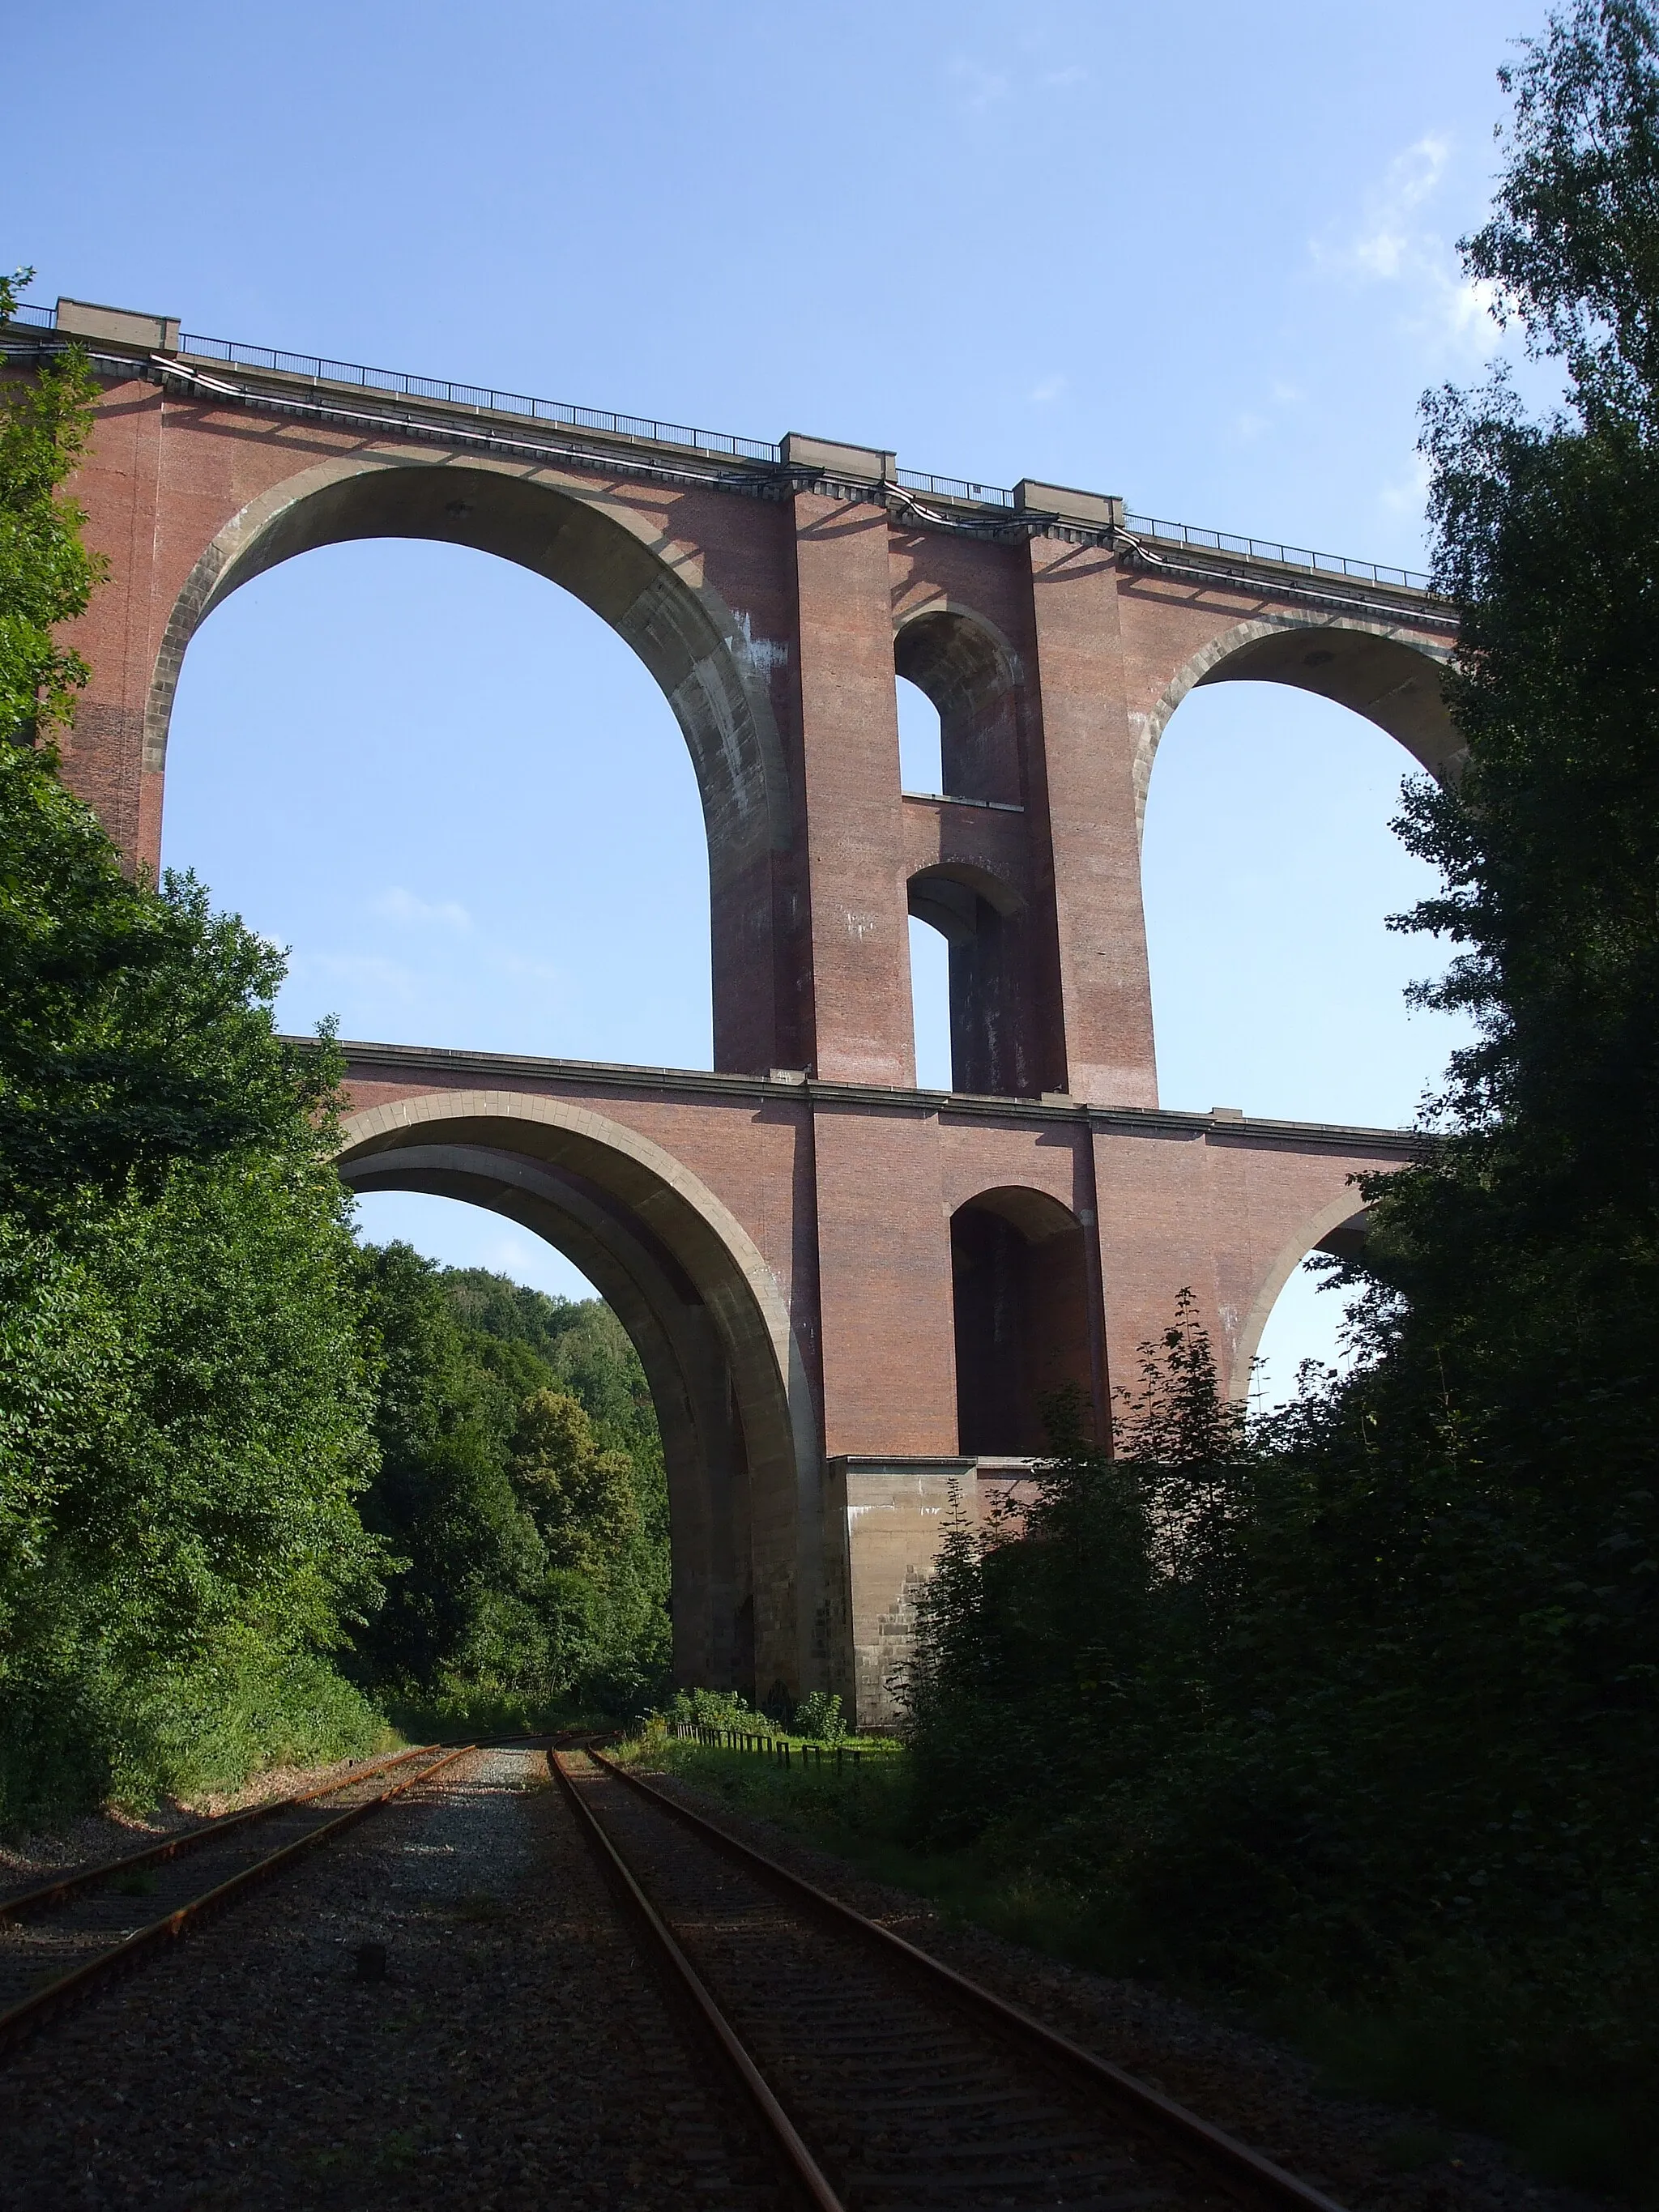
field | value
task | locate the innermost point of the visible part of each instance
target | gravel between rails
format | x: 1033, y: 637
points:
x: 517, y: 2054
x: 1265, y: 2094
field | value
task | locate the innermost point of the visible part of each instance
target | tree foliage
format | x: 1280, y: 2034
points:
x: 47, y: 575
x: 580, y: 1498
x: 134, y: 1024
x: 185, y: 1397
x: 534, y: 1541
x: 134, y: 1028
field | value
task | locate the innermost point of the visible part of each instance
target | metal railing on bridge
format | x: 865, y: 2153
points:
x: 974, y: 494
x: 440, y: 391
x: 566, y: 414
x: 1289, y: 556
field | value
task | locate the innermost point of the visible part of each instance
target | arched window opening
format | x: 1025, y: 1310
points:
x: 965, y: 674
x: 1019, y: 1279
x: 977, y: 919
x: 458, y: 795
x: 920, y: 755
x: 1269, y: 870
x: 930, y: 1005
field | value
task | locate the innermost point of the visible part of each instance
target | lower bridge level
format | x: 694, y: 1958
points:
x: 850, y: 1300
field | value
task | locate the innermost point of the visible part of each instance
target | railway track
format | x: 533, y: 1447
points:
x: 60, y: 1939
x: 886, y: 2082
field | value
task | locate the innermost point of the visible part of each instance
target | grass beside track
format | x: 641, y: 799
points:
x: 487, y: 1716
x: 861, y: 1812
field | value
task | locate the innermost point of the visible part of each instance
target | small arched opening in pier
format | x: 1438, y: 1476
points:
x: 1019, y: 1279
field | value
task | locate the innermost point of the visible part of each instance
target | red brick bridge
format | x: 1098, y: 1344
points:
x: 847, y: 1292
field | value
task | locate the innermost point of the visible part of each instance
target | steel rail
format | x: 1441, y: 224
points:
x: 66, y: 1886
x: 1229, y: 2160
x: 28, y: 2012
x: 800, y: 2162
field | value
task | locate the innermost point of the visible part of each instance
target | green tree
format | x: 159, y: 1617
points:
x: 465, y: 1607
x: 135, y: 1025
x: 184, y: 1436
x: 47, y: 575
x: 1548, y: 843
x: 584, y: 1349
x: 1510, y: 1298
x: 179, y: 1451
x: 135, y: 1028
x: 184, y: 1402
x: 529, y: 1570
x: 583, y: 1498
x: 1059, y: 1644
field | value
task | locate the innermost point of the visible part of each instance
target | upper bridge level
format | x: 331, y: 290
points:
x: 774, y: 590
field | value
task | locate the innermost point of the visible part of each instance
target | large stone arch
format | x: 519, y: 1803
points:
x: 1390, y: 675
x: 713, y: 1331
x: 1338, y: 1227
x: 650, y: 590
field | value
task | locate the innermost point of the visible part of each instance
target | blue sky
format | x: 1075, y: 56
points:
x: 1202, y: 256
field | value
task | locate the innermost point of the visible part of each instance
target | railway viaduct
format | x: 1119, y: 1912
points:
x: 847, y: 1292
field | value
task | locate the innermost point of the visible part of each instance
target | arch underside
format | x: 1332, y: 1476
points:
x: 1338, y: 1228
x: 973, y: 682
x: 1389, y: 680
x: 1390, y: 676
x: 689, y: 640
x: 741, y: 1465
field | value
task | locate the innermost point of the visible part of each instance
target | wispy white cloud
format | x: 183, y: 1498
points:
x: 1394, y: 243
x: 1047, y: 390
x: 528, y: 1260
x: 1406, y: 496
x: 365, y: 971
x: 1267, y: 411
x: 976, y: 87
x: 1026, y: 73
x: 1387, y: 244
x: 536, y: 971
x: 1467, y: 309
x: 399, y: 905
x: 513, y: 1256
